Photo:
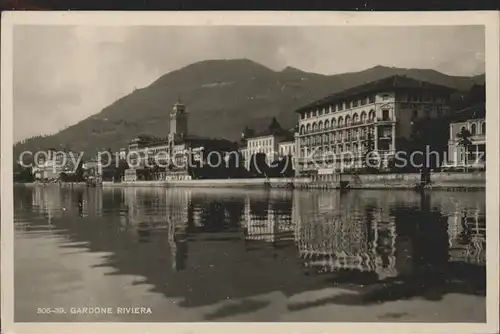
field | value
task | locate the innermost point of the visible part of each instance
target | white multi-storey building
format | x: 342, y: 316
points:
x: 377, y: 114
x: 474, y: 130
x: 275, y: 142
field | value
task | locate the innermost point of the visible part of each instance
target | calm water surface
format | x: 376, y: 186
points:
x: 250, y: 255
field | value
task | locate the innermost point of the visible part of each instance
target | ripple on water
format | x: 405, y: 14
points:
x: 200, y: 247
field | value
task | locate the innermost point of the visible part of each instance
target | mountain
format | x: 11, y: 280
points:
x: 222, y: 97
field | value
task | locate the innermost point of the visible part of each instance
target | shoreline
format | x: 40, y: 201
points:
x: 475, y: 182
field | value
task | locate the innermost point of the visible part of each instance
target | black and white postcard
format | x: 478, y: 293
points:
x: 202, y: 172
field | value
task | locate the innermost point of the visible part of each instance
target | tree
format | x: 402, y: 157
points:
x: 287, y: 167
x: 369, y: 161
x: 22, y: 174
x: 258, y: 165
x: 464, y: 141
x: 234, y: 165
x: 274, y: 125
x: 79, y: 173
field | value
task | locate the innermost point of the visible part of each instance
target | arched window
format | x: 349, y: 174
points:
x: 320, y: 125
x: 327, y: 124
x: 341, y: 121
x: 302, y: 129
x: 315, y: 127
x: 473, y: 129
x: 363, y: 116
x: 308, y: 128
x: 347, y: 120
x: 334, y: 122
x: 355, y: 118
x: 371, y: 115
x: 483, y: 128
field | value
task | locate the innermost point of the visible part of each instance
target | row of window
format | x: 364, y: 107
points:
x: 261, y: 149
x: 260, y: 143
x: 340, y: 106
x: 340, y: 135
x: 287, y: 150
x: 427, y: 113
x: 334, y: 149
x: 267, y: 150
x: 474, y: 129
x: 341, y: 121
x: 424, y: 97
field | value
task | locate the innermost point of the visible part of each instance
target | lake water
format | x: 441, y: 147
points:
x: 248, y: 255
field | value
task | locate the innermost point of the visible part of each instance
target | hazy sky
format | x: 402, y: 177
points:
x: 63, y: 74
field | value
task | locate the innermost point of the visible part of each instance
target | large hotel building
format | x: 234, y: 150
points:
x: 375, y: 115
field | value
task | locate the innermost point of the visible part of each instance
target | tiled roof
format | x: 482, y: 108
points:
x: 276, y: 132
x: 392, y: 82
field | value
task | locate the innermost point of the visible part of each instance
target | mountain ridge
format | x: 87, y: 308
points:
x: 222, y: 97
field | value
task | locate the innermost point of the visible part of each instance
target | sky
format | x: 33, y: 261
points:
x: 64, y: 74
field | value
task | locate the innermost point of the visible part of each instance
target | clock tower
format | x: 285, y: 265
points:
x: 178, y: 121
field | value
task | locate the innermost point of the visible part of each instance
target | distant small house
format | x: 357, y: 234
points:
x: 467, y: 141
x: 275, y: 142
x: 92, y: 168
x: 53, y: 163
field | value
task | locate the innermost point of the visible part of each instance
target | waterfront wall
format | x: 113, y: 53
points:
x: 409, y: 180
x: 228, y: 183
x: 456, y: 180
x: 135, y: 184
x: 61, y: 184
x: 368, y: 181
x: 475, y: 180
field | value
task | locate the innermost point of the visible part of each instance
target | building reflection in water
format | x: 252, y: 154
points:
x: 54, y: 202
x: 386, y: 235
x: 381, y: 233
x: 269, y: 219
x: 345, y: 235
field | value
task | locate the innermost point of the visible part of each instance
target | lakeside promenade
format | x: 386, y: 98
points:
x: 439, y: 181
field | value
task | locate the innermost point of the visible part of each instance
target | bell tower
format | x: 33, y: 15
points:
x: 178, y: 121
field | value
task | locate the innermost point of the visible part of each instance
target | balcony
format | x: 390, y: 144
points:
x: 385, y: 121
x: 338, y: 127
x: 385, y: 136
x: 478, y: 138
